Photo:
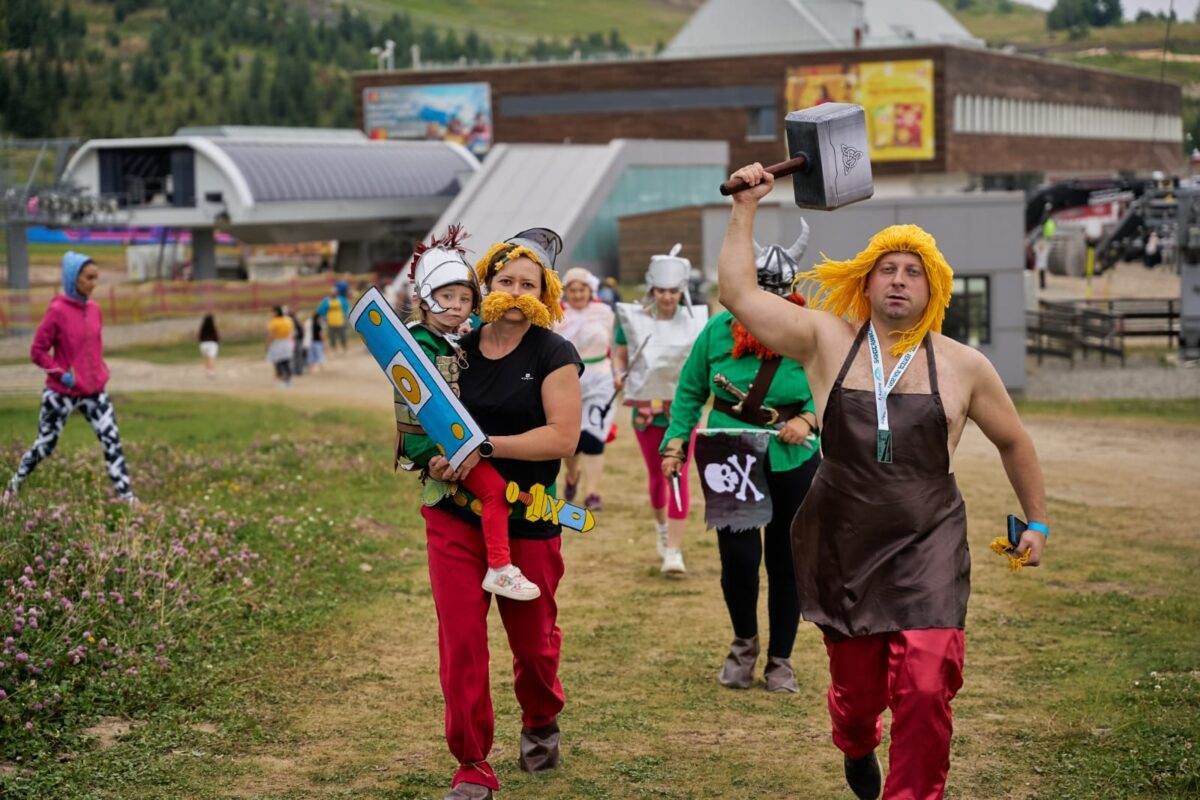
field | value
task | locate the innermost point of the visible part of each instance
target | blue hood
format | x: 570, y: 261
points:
x: 72, y: 265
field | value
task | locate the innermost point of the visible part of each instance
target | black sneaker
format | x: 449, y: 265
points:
x: 862, y: 775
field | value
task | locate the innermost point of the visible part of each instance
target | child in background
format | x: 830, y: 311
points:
x: 447, y: 293
x: 316, y: 342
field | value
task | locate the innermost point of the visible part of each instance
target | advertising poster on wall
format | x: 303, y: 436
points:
x: 452, y: 112
x: 897, y: 96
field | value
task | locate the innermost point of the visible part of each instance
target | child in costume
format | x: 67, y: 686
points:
x: 447, y: 293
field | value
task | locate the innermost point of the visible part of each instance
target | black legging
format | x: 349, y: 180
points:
x: 742, y: 552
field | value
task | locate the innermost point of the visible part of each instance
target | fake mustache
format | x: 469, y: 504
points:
x: 497, y: 303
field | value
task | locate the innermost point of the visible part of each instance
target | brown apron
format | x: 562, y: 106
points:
x: 883, y: 547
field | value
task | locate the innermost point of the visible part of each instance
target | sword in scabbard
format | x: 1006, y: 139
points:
x: 721, y: 382
x: 636, y: 355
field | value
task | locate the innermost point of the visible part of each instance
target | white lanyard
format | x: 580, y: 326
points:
x: 883, y: 437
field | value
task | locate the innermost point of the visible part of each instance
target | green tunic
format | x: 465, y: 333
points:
x: 713, y: 353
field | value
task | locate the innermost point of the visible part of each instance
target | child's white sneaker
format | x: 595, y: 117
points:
x: 508, y: 581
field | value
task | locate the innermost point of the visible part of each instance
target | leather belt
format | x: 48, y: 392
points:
x: 767, y: 416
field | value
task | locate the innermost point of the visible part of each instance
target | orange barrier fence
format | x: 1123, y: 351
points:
x: 22, y: 309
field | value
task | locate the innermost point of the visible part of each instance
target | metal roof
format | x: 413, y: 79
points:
x: 557, y: 186
x: 272, y: 132
x: 301, y: 171
x: 794, y: 26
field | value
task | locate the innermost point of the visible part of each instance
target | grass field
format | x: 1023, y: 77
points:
x: 642, y: 23
x: 319, y: 680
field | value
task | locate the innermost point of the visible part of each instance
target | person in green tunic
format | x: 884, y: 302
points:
x: 728, y: 359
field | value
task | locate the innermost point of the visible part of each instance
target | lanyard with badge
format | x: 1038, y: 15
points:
x: 883, y: 434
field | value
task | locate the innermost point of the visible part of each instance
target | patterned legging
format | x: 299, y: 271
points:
x: 98, y: 411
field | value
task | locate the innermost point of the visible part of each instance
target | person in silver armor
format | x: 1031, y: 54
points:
x: 652, y: 340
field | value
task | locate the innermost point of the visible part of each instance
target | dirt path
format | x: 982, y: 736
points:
x: 336, y: 385
x: 365, y: 713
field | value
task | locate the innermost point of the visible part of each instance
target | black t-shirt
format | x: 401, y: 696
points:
x: 505, y: 398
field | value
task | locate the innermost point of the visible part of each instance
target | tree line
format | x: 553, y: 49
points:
x: 204, y: 62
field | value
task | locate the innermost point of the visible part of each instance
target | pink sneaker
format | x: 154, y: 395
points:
x: 508, y: 581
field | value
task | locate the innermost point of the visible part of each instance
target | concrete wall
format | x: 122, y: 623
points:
x: 980, y: 234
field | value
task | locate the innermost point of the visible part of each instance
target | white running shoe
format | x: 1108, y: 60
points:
x: 508, y: 581
x: 661, y: 543
x: 673, y: 562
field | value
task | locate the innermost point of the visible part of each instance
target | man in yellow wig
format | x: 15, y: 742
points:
x: 879, y: 543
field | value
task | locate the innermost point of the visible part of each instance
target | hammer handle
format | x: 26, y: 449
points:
x: 792, y: 165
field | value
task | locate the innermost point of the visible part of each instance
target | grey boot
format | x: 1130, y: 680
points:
x: 780, y: 676
x: 738, y: 672
x: 539, y: 748
x: 469, y: 791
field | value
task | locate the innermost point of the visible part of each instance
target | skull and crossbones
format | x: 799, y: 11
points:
x: 724, y: 477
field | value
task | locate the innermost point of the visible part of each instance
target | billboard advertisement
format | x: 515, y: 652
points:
x: 452, y: 112
x: 897, y: 96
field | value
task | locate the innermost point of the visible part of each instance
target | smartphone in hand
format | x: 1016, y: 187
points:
x: 1015, y: 528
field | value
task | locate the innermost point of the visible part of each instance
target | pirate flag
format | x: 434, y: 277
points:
x: 733, y: 472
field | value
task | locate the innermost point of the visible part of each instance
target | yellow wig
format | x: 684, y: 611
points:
x: 500, y: 254
x: 843, y: 282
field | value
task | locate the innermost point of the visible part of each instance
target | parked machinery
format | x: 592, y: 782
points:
x: 1188, y: 249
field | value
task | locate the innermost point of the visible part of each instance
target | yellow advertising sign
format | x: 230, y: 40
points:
x: 897, y: 96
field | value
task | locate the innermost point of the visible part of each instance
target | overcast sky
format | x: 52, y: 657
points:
x: 1185, y: 10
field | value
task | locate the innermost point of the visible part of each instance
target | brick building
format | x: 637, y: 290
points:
x: 990, y: 118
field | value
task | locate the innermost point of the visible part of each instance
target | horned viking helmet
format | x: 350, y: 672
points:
x: 777, y: 267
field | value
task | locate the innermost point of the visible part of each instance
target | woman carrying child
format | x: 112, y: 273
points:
x: 521, y: 384
x: 447, y: 294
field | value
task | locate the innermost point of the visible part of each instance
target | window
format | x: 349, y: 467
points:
x: 760, y: 122
x: 968, y: 319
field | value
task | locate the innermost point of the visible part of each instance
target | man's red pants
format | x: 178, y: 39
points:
x: 915, y: 674
x: 457, y: 563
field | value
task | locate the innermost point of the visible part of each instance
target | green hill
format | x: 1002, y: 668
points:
x: 88, y: 68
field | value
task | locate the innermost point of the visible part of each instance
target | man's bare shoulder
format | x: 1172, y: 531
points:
x: 966, y: 362
x: 833, y: 326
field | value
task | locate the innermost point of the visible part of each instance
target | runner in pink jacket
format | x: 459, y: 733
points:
x: 69, y: 346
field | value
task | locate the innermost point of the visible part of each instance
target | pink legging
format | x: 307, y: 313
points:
x: 650, y: 440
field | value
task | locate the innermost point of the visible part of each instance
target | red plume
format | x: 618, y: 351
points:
x: 744, y: 342
x: 451, y: 241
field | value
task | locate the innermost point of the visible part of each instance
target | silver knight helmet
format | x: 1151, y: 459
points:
x: 442, y: 263
x: 670, y: 271
x: 777, y: 267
